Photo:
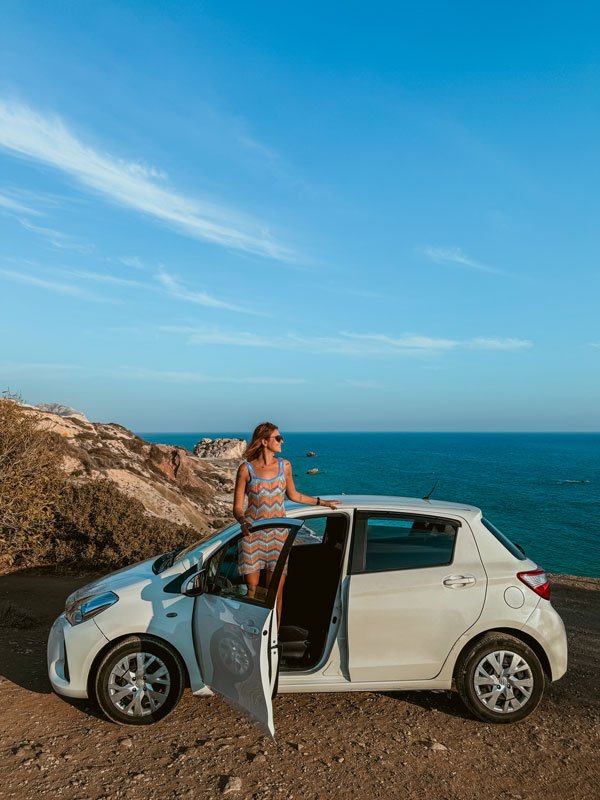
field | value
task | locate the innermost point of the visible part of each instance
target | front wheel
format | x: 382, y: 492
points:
x: 139, y: 681
x: 500, y: 679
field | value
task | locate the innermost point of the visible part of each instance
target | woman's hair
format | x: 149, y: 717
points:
x: 262, y: 431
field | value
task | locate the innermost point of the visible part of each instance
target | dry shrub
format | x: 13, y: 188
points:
x: 47, y: 519
x: 98, y: 526
x: 31, y: 480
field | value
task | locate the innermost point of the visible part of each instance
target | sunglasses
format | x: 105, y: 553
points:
x: 278, y: 438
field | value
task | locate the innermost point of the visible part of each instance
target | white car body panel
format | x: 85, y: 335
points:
x: 403, y: 623
x: 249, y: 630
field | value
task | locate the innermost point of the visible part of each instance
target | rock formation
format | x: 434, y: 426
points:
x: 62, y: 411
x: 231, y: 449
x: 169, y: 481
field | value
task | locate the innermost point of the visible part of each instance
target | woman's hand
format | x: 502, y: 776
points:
x: 245, y: 525
x: 330, y: 503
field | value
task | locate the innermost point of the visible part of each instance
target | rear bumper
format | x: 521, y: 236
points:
x: 547, y: 627
x: 70, y: 654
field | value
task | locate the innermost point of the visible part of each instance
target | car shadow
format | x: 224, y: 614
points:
x: 30, y: 601
x: 444, y: 701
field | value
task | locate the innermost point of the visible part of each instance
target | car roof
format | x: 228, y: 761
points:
x: 396, y: 503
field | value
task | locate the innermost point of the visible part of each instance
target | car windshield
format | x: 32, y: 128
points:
x: 514, y: 549
x: 203, y: 542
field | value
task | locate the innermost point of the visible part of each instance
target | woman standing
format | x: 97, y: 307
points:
x: 265, y: 479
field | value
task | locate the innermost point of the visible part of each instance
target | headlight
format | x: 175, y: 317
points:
x: 88, y: 607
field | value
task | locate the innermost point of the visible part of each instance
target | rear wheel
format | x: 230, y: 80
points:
x: 500, y: 679
x: 139, y: 681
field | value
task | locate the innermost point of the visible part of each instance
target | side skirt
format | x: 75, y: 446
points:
x: 325, y: 685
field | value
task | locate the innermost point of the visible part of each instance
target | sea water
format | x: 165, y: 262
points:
x: 541, y: 489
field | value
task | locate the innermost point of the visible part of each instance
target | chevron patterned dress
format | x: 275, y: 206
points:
x: 261, y: 550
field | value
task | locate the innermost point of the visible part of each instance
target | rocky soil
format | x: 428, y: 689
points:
x: 410, y: 745
x: 171, y: 482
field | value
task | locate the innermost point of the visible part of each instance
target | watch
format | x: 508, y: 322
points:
x: 318, y: 501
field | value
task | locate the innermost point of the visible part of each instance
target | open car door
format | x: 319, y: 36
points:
x: 235, y: 636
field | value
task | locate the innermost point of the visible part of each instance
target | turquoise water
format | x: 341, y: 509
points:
x: 542, y: 490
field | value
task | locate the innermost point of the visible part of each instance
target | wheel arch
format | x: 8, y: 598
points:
x: 526, y: 638
x: 110, y: 644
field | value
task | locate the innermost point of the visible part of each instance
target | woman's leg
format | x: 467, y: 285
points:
x: 252, y: 579
x: 279, y: 596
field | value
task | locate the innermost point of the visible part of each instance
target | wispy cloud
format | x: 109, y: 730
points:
x: 48, y: 140
x: 168, y: 376
x: 480, y: 343
x: 345, y: 343
x: 8, y: 203
x: 593, y: 344
x: 455, y: 256
x: 177, y: 290
x: 146, y: 374
x: 405, y: 342
x: 132, y: 261
x: 53, y: 286
x: 57, y: 239
x: 101, y: 277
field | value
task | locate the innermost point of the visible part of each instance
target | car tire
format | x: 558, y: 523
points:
x: 139, y: 681
x: 500, y: 679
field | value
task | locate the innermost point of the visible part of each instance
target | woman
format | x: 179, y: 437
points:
x: 266, y: 480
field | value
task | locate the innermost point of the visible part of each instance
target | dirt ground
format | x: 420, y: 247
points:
x: 397, y: 745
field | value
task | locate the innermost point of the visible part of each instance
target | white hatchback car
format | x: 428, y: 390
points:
x: 382, y: 593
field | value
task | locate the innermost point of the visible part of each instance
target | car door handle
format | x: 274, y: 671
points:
x: 456, y: 581
x: 252, y: 630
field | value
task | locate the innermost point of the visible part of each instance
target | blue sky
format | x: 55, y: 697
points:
x: 337, y: 216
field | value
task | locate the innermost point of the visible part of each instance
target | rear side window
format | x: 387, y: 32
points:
x: 513, y: 549
x: 384, y: 542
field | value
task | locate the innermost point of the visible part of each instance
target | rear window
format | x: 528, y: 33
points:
x: 513, y: 549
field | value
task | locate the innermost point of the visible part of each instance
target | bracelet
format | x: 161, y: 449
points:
x: 318, y: 501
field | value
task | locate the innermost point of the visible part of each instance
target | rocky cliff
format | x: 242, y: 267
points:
x: 170, y: 482
x: 231, y: 449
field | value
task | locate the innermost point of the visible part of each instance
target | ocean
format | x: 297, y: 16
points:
x: 541, y: 489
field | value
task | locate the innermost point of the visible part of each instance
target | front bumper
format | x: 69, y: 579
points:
x: 71, y: 652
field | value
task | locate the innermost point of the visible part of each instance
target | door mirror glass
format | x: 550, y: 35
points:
x: 196, y: 584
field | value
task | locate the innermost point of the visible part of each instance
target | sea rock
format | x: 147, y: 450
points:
x: 230, y: 449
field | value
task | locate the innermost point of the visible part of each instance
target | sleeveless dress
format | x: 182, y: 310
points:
x: 266, y: 496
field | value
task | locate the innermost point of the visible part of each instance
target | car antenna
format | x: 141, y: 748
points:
x: 428, y: 496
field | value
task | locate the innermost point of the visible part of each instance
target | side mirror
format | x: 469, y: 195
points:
x: 195, y: 585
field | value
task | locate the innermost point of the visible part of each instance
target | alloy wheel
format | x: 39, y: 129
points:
x: 503, y: 681
x: 139, y: 684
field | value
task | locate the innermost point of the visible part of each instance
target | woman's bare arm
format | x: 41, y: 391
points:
x: 239, y: 496
x: 296, y: 497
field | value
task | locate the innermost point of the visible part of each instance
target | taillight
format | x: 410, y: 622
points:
x: 536, y: 580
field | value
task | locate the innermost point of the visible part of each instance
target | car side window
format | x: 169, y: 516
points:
x: 223, y: 573
x: 386, y: 542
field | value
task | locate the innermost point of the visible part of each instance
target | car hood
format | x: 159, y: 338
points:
x: 142, y: 571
